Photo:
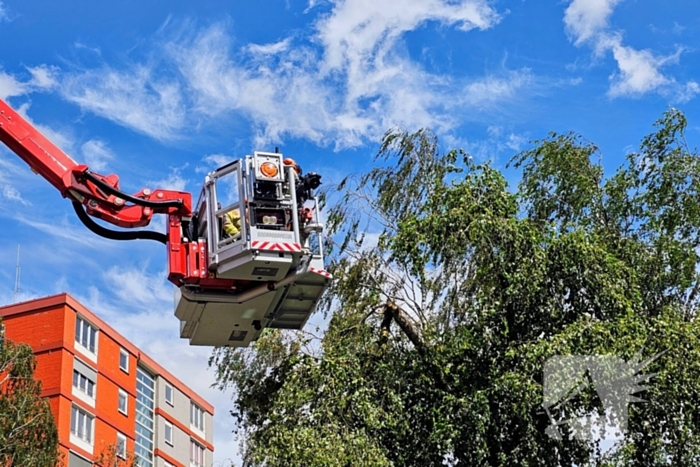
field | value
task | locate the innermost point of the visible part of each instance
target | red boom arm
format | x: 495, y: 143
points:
x: 100, y: 194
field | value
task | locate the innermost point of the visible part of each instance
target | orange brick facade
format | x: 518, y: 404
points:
x: 48, y: 325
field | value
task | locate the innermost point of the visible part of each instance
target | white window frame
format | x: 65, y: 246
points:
x: 169, y: 440
x: 82, y: 334
x: 125, y: 368
x: 197, y: 417
x: 126, y: 401
x: 198, y: 454
x: 82, y: 378
x: 82, y: 430
x: 121, y: 445
x: 170, y: 401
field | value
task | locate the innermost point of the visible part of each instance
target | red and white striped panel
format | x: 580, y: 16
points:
x: 320, y: 271
x: 275, y: 246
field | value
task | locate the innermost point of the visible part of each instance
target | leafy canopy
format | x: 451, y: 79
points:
x: 451, y: 291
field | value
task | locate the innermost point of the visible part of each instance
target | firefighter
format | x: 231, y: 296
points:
x: 232, y: 223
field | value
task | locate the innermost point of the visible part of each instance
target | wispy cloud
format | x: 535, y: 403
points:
x: 269, y: 49
x: 4, y: 15
x: 11, y: 193
x: 174, y: 181
x: 342, y: 83
x: 138, y: 286
x: 212, y: 161
x: 44, y: 77
x: 96, y: 153
x: 41, y: 78
x: 491, y: 90
x: 358, y: 35
x: 68, y: 233
x: 352, y: 88
x: 12, y: 176
x: 639, y: 71
x: 132, y: 97
x: 10, y: 86
x: 498, y: 142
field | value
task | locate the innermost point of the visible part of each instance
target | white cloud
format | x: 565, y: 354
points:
x: 14, y: 178
x: 11, y: 87
x: 347, y: 80
x: 133, y: 98
x: 684, y: 93
x: 639, y: 71
x: 212, y: 162
x: 678, y: 28
x: 499, y: 140
x: 174, y: 181
x: 96, y: 154
x: 9, y: 170
x: 43, y: 77
x: 4, y: 15
x: 68, y: 233
x: 584, y: 19
x: 137, y: 286
x: 269, y: 49
x: 311, y: 5
x: 11, y: 193
x: 356, y: 86
x: 491, y: 90
x: 95, y: 50
x: 359, y: 32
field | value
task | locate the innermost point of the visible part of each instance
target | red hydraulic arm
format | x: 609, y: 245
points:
x: 102, y: 198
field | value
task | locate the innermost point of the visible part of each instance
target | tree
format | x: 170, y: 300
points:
x: 439, y: 333
x: 28, y: 435
x: 115, y: 455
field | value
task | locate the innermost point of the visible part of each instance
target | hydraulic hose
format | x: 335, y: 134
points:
x: 116, y: 234
x: 127, y: 197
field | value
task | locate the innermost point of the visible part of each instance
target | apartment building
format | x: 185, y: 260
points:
x: 106, y: 394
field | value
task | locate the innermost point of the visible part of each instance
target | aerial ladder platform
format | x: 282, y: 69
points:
x: 247, y: 256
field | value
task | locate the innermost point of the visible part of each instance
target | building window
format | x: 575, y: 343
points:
x: 169, y: 394
x: 145, y: 418
x: 196, y: 454
x: 168, y: 433
x: 123, y: 401
x: 76, y: 460
x: 121, y: 445
x: 81, y: 424
x: 86, y: 335
x: 83, y: 383
x: 197, y: 417
x: 124, y: 360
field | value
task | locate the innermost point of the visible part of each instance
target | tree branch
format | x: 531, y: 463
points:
x: 385, y: 328
x: 406, y: 326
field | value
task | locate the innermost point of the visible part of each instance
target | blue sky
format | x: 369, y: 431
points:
x: 160, y: 92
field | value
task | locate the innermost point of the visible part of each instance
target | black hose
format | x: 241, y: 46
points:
x: 127, y: 197
x: 116, y: 234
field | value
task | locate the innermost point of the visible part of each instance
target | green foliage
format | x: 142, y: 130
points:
x: 28, y: 435
x: 441, y: 325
